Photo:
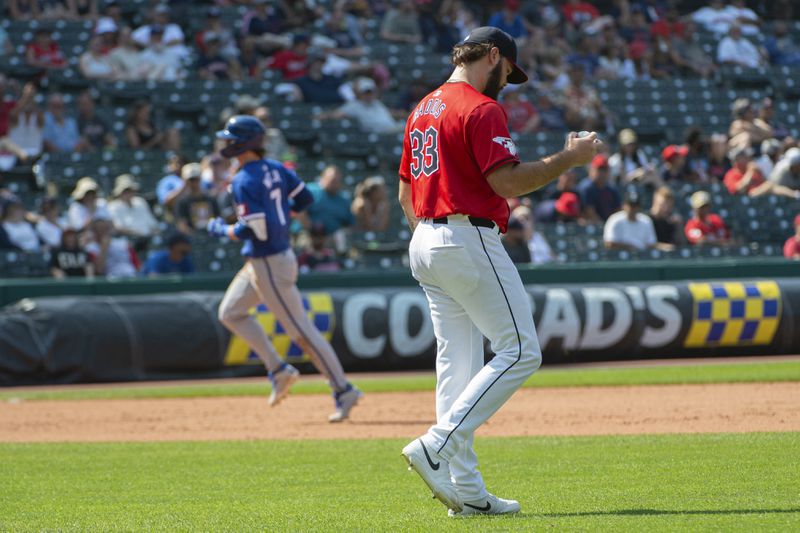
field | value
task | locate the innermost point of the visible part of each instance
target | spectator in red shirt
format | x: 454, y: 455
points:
x: 744, y: 175
x: 43, y: 52
x: 791, y: 249
x: 522, y: 115
x: 669, y: 26
x: 705, y: 227
x: 292, y: 62
x: 7, y: 103
x: 579, y: 13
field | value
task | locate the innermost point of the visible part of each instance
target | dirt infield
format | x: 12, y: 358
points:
x: 745, y: 407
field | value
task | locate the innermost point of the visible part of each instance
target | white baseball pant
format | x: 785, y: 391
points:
x: 272, y: 280
x: 473, y: 290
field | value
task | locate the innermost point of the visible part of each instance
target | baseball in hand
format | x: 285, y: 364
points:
x: 585, y: 133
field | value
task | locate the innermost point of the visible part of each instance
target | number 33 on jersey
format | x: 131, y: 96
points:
x: 453, y: 140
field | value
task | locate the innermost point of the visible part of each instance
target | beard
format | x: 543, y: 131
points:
x: 494, y: 83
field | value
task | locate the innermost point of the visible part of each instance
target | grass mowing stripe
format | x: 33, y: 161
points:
x: 724, y: 482
x: 647, y: 375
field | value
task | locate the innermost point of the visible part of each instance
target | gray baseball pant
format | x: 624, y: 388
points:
x: 272, y: 280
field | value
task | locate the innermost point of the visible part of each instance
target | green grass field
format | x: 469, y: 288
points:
x: 679, y: 482
x: 579, y: 377
x: 719, y: 482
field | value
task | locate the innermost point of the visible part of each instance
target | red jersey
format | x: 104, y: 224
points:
x: 519, y: 114
x: 713, y: 228
x: 51, y: 54
x: 580, y: 13
x: 662, y: 28
x: 291, y: 64
x: 5, y: 110
x: 734, y: 176
x: 791, y: 248
x: 455, y: 137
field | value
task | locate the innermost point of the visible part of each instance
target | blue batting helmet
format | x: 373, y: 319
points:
x: 246, y: 132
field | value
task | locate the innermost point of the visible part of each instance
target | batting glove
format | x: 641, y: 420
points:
x: 218, y: 227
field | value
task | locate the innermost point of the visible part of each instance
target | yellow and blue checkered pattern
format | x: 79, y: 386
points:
x: 734, y: 314
x: 319, y: 307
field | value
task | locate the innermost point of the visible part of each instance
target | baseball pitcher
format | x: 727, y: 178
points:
x: 265, y: 191
x: 458, y: 167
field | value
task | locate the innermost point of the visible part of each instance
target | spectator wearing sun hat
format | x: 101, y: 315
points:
x: 169, y: 34
x: 599, y: 197
x: 630, y: 164
x: 130, y: 213
x: 674, y: 160
x: 791, y: 249
x: 196, y: 208
x: 86, y: 204
x: 705, y: 227
x: 105, y: 26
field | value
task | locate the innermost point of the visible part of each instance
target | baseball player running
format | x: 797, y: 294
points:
x: 264, y: 191
x: 458, y: 167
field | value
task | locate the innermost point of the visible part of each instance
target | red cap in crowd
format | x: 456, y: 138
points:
x: 637, y: 49
x: 672, y: 150
x: 600, y: 160
x: 797, y: 221
x: 568, y: 204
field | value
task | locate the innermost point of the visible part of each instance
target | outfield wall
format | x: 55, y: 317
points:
x: 13, y: 290
x: 113, y: 338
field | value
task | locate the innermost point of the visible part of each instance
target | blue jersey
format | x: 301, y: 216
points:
x: 263, y: 190
x: 160, y: 263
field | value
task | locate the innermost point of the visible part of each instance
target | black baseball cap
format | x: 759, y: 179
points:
x: 504, y: 42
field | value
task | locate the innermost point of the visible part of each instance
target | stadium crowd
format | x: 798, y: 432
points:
x: 322, y: 54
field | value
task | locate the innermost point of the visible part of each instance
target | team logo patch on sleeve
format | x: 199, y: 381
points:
x: 506, y: 143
